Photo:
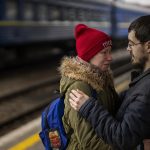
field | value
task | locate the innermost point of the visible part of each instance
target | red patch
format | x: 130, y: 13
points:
x: 54, y: 139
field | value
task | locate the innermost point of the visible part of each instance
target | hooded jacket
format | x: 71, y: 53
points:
x: 87, y: 78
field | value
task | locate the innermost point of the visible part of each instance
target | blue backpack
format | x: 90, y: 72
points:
x: 53, y: 134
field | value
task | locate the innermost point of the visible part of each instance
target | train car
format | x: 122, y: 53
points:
x: 28, y: 21
x: 125, y: 12
x: 25, y: 22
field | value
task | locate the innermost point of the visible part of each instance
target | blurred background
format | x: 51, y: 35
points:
x: 30, y: 29
x: 34, y: 36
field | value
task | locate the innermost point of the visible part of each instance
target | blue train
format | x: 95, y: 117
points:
x: 25, y: 21
x: 33, y: 21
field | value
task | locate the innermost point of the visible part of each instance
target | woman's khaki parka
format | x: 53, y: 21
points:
x: 87, y: 78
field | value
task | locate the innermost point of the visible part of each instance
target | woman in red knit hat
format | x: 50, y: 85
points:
x: 89, y: 71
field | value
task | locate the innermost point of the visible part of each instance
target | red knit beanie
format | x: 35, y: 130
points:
x: 90, y: 41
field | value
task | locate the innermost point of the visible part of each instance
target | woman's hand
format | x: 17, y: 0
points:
x: 77, y: 99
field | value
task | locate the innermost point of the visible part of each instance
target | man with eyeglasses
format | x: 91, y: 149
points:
x: 131, y: 126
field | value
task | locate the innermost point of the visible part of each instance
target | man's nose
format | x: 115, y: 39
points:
x: 128, y: 48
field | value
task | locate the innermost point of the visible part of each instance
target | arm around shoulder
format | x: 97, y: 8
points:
x: 125, y: 133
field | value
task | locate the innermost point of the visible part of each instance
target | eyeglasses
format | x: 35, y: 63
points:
x: 133, y: 44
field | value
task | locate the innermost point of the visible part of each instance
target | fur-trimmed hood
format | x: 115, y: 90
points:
x: 74, y: 68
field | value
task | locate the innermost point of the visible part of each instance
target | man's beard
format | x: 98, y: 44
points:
x: 141, y: 64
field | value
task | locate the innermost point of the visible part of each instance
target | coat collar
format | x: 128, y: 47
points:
x: 79, y: 70
x: 141, y: 76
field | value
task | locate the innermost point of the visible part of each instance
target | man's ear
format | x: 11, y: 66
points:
x: 147, y: 44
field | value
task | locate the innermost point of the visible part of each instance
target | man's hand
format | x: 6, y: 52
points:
x: 77, y: 99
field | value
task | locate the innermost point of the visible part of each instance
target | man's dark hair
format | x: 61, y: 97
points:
x: 141, y: 26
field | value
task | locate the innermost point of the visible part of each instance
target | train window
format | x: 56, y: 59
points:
x: 64, y: 13
x: 11, y: 10
x: 98, y: 16
x: 88, y: 15
x: 42, y: 12
x: 81, y: 15
x: 54, y: 13
x: 71, y: 14
x: 28, y: 11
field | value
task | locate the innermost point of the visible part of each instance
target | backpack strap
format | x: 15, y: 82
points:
x: 62, y: 96
x: 45, y: 117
